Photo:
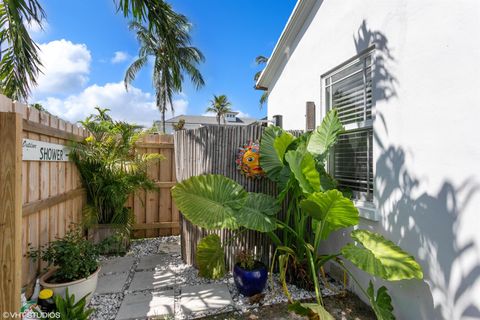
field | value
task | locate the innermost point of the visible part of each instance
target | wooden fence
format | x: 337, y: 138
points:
x: 155, y: 212
x: 213, y: 150
x: 38, y: 200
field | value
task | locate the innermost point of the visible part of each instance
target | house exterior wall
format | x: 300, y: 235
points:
x: 426, y: 143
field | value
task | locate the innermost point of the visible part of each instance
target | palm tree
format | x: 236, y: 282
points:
x: 169, y: 45
x: 20, y: 64
x: 260, y: 60
x: 220, y: 106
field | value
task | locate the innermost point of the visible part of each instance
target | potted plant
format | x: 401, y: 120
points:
x: 250, y: 275
x: 75, y: 265
x: 111, y: 170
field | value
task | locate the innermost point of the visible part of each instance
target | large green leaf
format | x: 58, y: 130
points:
x: 303, y: 167
x: 258, y: 211
x: 332, y: 208
x: 381, y: 257
x: 273, y: 145
x: 210, y: 257
x: 311, y: 310
x: 325, y: 136
x: 210, y: 201
x: 381, y: 304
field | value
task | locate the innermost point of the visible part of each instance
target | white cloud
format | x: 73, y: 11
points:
x: 37, y: 30
x: 134, y: 105
x: 66, y: 66
x: 119, y: 56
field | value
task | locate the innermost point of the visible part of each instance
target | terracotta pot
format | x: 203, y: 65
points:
x: 79, y: 288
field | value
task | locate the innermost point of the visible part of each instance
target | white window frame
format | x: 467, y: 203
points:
x: 367, y: 209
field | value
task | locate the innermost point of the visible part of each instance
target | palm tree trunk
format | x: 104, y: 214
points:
x: 163, y: 120
x: 218, y: 119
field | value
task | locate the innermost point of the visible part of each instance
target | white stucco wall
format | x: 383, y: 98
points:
x: 427, y: 140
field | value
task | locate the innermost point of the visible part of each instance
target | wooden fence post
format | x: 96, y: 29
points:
x: 10, y: 211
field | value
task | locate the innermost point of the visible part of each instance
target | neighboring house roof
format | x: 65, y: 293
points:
x: 205, y: 120
x: 283, y: 48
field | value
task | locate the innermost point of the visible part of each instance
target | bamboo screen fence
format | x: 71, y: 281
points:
x: 213, y: 149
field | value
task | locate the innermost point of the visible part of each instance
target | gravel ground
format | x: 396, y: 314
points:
x: 107, y: 305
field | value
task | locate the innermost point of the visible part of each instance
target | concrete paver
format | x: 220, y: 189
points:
x: 151, y: 261
x: 142, y: 305
x: 155, y: 279
x: 205, y: 297
x: 111, y: 283
x: 120, y: 264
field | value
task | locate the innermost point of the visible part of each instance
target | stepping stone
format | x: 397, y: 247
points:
x: 205, y: 297
x: 122, y: 264
x: 142, y: 305
x: 111, y: 283
x: 170, y: 248
x: 152, y: 261
x: 152, y: 280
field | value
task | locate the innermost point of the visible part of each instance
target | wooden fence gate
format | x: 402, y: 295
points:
x: 155, y: 212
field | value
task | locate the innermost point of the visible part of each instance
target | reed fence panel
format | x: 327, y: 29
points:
x: 213, y: 150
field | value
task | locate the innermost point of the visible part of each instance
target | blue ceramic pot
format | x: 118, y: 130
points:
x: 250, y: 282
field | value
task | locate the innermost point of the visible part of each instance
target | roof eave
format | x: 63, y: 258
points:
x: 290, y: 31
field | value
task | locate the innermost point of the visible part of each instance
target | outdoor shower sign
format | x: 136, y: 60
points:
x: 34, y: 150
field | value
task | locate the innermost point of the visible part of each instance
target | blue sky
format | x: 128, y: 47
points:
x: 86, y: 48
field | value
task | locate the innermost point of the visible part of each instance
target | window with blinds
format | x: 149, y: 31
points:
x: 349, y: 90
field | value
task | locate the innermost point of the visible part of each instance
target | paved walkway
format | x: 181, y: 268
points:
x: 149, y: 287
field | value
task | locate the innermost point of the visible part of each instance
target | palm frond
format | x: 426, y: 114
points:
x: 133, y: 69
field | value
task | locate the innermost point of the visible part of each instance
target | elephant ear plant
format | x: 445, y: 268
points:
x: 215, y: 202
x: 315, y: 209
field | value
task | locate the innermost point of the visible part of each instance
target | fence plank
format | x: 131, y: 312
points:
x: 10, y: 211
x: 54, y: 132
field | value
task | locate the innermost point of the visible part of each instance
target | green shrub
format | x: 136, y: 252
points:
x: 73, y: 255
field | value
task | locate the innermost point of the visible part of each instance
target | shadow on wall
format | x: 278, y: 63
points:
x: 427, y: 224
x: 431, y: 223
x: 384, y: 82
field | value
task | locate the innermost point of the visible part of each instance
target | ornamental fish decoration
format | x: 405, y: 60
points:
x: 248, y: 160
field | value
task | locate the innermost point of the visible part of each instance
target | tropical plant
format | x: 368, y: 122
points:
x: 179, y: 125
x: 74, y: 256
x: 169, y: 44
x: 297, y: 165
x: 245, y: 259
x: 220, y: 106
x: 215, y: 202
x: 20, y: 64
x: 68, y: 309
x: 111, y: 169
x: 261, y: 60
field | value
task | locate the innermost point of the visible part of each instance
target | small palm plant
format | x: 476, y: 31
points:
x: 111, y: 169
x: 220, y: 106
x: 261, y: 60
